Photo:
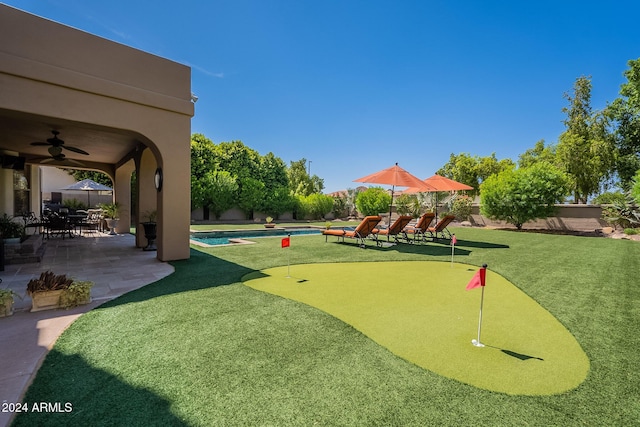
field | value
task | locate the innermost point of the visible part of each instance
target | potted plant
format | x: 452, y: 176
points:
x: 270, y: 223
x: 51, y: 291
x: 11, y: 231
x: 111, y: 213
x: 150, y: 230
x: 6, y: 302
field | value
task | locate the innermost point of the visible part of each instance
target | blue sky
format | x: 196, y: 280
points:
x: 355, y: 86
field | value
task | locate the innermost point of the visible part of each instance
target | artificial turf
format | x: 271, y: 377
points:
x: 420, y: 311
x: 200, y: 348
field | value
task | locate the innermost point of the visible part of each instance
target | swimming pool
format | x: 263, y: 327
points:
x: 217, y: 238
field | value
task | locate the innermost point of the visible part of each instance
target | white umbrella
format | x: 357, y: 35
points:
x: 88, y: 185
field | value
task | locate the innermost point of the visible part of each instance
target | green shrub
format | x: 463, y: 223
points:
x: 314, y: 206
x: 631, y: 231
x: 608, y: 198
x: 373, y: 201
x: 408, y: 204
x: 635, y: 188
x: 625, y: 214
x: 9, y: 228
x: 74, y: 204
x: 340, y: 206
x: 522, y: 195
x: 461, y: 207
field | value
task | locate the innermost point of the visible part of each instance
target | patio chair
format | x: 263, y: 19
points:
x: 419, y: 231
x: 56, y: 224
x: 30, y: 220
x: 361, y: 232
x: 396, y: 228
x: 441, y: 228
x: 93, y: 221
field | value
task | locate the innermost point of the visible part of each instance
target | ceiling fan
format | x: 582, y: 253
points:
x: 55, y: 150
x: 56, y: 146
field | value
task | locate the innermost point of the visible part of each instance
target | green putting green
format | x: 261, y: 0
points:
x: 421, y: 312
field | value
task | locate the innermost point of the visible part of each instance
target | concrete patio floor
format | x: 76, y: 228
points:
x: 113, y: 263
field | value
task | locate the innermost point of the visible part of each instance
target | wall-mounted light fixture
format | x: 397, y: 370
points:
x: 158, y: 179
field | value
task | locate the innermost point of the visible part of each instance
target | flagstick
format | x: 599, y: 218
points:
x: 453, y: 248
x: 289, y: 258
x: 477, y: 342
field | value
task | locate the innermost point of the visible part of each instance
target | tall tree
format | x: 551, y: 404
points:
x: 473, y: 170
x: 539, y: 153
x: 586, y: 148
x: 300, y: 183
x: 238, y: 159
x: 625, y: 113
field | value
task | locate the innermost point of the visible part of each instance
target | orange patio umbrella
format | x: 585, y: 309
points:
x: 439, y: 183
x: 395, y: 176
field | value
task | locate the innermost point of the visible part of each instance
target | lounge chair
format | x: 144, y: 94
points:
x: 441, y: 228
x: 361, y: 232
x: 419, y: 231
x: 396, y: 228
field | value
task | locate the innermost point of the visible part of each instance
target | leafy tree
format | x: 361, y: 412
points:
x: 522, y: 195
x: 625, y: 113
x: 373, y: 200
x: 204, y: 157
x: 278, y: 201
x: 472, y: 170
x: 239, y: 160
x: 490, y: 165
x: 203, y: 162
x: 272, y: 171
x: 462, y: 168
x: 300, y: 182
x: 220, y: 190
x: 586, y: 149
x: 539, y: 153
x: 250, y: 197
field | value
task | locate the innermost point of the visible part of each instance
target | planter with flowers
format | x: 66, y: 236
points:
x: 52, y: 291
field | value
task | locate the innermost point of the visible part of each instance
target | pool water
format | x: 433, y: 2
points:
x: 215, y: 238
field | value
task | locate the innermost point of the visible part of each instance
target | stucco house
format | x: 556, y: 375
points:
x: 129, y: 110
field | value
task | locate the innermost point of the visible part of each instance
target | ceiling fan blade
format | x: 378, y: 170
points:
x: 40, y: 143
x: 59, y: 161
x: 75, y: 150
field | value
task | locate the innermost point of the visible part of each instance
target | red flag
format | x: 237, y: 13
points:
x: 286, y: 242
x: 454, y: 240
x: 478, y: 279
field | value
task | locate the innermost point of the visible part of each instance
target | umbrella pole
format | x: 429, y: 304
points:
x: 391, y: 208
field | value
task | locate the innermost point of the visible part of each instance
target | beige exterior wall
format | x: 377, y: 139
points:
x: 119, y: 101
x: 569, y: 217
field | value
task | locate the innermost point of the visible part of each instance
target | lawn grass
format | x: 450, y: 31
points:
x: 200, y: 348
